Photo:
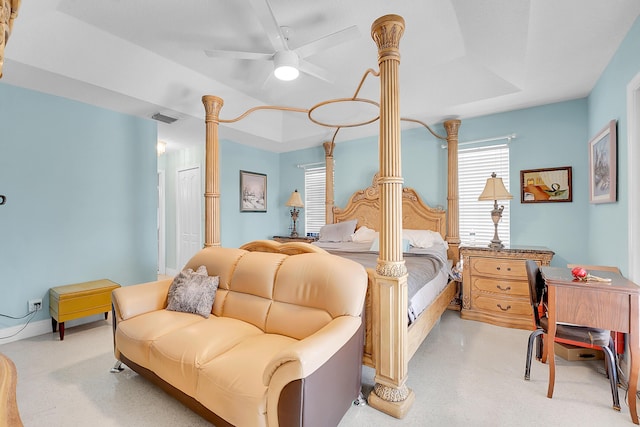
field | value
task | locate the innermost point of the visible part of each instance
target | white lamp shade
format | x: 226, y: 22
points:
x: 295, y: 200
x: 286, y: 65
x: 495, y: 190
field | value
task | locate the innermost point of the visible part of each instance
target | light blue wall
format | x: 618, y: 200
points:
x: 552, y: 135
x: 242, y: 227
x: 81, y: 193
x: 608, y: 223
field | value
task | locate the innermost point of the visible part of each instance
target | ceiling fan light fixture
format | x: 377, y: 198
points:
x: 286, y: 65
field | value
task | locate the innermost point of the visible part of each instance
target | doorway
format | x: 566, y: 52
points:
x: 188, y: 214
x: 162, y: 266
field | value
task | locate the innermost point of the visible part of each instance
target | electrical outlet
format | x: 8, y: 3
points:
x: 35, y: 304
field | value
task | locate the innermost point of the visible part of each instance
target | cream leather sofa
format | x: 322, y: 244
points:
x: 283, y: 345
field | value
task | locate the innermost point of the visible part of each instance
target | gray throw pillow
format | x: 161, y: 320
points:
x: 193, y: 292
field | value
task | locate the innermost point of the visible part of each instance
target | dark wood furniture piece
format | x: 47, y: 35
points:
x: 494, y: 284
x: 607, y: 305
x: 286, y: 239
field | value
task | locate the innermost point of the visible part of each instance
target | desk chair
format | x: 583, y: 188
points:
x: 581, y: 336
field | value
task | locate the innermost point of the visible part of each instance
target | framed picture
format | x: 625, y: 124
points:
x: 253, y: 192
x: 602, y: 165
x: 546, y: 185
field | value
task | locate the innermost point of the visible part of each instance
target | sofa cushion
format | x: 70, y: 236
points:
x: 176, y: 359
x: 231, y: 384
x: 193, y: 292
x: 251, y: 288
x: 312, y: 289
x: 135, y: 335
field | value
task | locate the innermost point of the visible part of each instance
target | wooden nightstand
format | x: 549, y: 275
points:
x: 285, y: 239
x: 494, y: 284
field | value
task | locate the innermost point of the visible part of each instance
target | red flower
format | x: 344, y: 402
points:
x: 579, y: 273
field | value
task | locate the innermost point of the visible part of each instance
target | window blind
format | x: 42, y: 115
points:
x: 475, y: 165
x: 314, y: 199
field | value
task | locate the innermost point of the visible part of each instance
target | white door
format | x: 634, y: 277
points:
x: 188, y: 211
x: 161, y: 225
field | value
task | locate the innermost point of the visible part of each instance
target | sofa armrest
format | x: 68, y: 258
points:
x: 131, y: 301
x: 305, y: 357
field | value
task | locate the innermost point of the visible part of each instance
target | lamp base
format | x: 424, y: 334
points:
x: 496, y: 244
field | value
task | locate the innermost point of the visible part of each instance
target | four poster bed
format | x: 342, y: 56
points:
x: 386, y: 208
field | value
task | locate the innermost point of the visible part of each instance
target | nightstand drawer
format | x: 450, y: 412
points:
x: 499, y: 268
x: 504, y: 306
x: 501, y: 287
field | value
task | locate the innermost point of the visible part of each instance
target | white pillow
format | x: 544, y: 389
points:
x: 339, y: 232
x: 364, y: 234
x: 422, y: 238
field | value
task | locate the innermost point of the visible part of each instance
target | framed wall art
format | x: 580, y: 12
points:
x: 546, y: 185
x: 253, y: 192
x: 602, y: 165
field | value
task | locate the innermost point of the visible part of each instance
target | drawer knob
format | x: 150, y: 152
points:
x: 508, y: 288
x: 502, y: 308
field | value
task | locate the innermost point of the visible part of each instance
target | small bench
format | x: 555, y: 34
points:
x: 71, y: 302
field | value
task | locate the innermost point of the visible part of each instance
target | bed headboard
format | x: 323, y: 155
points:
x: 364, y: 205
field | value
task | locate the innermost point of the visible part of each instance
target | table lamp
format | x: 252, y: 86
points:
x: 295, y: 201
x: 495, y: 190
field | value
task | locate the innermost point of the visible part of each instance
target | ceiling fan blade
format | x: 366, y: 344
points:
x: 327, y: 42
x: 268, y: 20
x: 315, y: 71
x: 231, y: 54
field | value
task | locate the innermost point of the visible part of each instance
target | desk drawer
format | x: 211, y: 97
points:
x: 499, y: 268
x: 503, y: 306
x: 501, y: 287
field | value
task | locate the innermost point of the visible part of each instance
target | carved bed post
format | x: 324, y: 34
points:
x: 453, y: 212
x: 212, y: 106
x: 390, y: 394
x: 329, y: 192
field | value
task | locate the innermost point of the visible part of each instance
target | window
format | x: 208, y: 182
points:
x: 475, y: 165
x: 314, y: 199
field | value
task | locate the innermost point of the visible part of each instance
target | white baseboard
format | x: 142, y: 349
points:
x: 39, y: 327
x: 33, y: 329
x: 170, y: 272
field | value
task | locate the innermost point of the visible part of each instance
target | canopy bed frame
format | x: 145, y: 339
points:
x: 387, y: 207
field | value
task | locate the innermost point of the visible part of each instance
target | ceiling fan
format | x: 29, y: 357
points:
x: 288, y: 62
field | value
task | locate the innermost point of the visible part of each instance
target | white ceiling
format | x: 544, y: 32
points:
x: 460, y: 58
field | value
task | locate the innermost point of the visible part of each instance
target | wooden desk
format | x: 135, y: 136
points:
x: 606, y: 305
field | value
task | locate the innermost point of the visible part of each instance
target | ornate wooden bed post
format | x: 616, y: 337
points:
x: 390, y: 394
x: 328, y: 158
x: 212, y: 106
x: 453, y: 230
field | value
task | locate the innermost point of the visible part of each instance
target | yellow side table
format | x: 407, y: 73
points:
x: 71, y: 302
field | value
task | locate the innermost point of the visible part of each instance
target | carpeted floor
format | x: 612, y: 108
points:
x: 466, y: 373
